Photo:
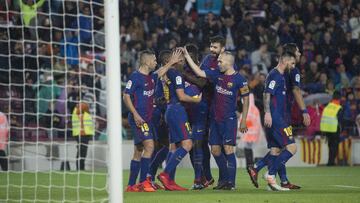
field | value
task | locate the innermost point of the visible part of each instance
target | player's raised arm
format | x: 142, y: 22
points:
x: 300, y: 101
x: 267, y: 118
x: 175, y: 57
x: 193, y: 65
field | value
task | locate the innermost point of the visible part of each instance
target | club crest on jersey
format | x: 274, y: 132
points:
x: 229, y: 84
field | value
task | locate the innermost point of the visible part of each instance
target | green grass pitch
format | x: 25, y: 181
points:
x: 320, y: 184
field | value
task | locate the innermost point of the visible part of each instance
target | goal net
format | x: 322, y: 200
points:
x: 52, y: 93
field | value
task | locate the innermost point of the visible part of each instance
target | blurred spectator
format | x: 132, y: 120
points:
x: 48, y: 91
x: 29, y: 11
x: 4, y: 137
x: 257, y: 87
x: 330, y: 125
x: 136, y: 28
x: 84, y: 23
x: 211, y: 27
x: 330, y: 87
x: 229, y: 31
x: 315, y: 111
x: 312, y: 75
x: 69, y: 48
x: 252, y: 136
x: 83, y: 129
x: 350, y: 113
x: 341, y: 78
x: 51, y: 120
x: 261, y: 60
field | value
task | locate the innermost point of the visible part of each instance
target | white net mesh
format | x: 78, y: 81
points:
x: 51, y: 60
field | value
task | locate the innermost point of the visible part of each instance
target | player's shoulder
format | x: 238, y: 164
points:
x: 239, y: 77
x: 294, y: 70
x: 273, y: 73
x: 207, y: 58
x: 135, y: 74
x: 172, y: 72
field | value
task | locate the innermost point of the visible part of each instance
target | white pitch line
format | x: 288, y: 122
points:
x: 346, y: 186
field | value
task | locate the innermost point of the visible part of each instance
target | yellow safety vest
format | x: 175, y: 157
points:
x: 329, y: 121
x: 89, y: 129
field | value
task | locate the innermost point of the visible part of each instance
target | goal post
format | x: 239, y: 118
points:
x: 112, y: 39
x: 58, y: 60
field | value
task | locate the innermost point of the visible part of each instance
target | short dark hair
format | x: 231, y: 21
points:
x: 290, y: 47
x: 193, y: 51
x: 287, y: 54
x: 218, y: 39
x: 164, y: 56
x: 144, y: 53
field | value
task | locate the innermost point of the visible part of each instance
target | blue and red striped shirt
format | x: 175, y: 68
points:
x: 227, y: 88
x: 275, y: 84
x: 141, y: 89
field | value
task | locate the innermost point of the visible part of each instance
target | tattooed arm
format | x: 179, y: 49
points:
x: 267, y: 118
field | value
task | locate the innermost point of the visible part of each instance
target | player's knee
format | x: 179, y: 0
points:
x: 148, y: 149
x: 291, y: 148
x: 187, y: 145
x: 137, y: 154
x: 215, y: 151
x: 275, y: 151
x: 228, y: 149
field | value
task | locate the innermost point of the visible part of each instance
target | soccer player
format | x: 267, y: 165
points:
x: 223, y: 126
x: 177, y: 121
x: 293, y: 88
x: 198, y: 115
x: 210, y: 62
x: 138, y: 97
x: 160, y: 127
x: 276, y: 119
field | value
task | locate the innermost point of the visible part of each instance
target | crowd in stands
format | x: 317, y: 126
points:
x: 51, y: 57
x: 60, y: 43
x: 327, y: 33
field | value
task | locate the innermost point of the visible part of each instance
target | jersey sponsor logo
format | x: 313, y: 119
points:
x: 297, y: 78
x: 129, y: 84
x: 272, y: 84
x: 149, y: 93
x: 178, y: 80
x: 223, y: 91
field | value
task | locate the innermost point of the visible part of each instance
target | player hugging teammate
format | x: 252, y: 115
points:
x: 185, y: 106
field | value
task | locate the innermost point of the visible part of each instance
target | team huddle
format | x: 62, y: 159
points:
x: 185, y: 106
